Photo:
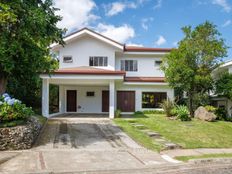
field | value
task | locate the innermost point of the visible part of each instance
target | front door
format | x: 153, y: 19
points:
x: 105, y: 101
x: 71, y: 100
x: 126, y: 101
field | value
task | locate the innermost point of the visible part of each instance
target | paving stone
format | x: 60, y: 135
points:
x: 169, y: 146
x: 160, y: 140
x: 153, y: 134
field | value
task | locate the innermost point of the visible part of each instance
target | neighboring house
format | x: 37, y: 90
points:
x: 99, y: 75
x: 219, y: 101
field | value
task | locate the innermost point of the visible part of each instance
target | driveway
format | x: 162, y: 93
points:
x: 82, y: 144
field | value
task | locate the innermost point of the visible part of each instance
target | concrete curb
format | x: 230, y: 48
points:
x: 211, y: 160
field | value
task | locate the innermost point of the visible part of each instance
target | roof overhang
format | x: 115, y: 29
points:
x: 84, y: 32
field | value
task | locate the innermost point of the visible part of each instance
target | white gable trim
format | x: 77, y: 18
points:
x: 86, y: 31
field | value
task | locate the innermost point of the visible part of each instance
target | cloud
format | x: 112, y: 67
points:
x: 160, y: 41
x: 158, y: 4
x: 117, y: 7
x: 224, y: 4
x: 135, y: 45
x: 121, y: 34
x: 145, y: 22
x: 227, y: 23
x: 76, y: 14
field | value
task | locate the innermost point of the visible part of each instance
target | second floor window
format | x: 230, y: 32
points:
x: 98, y: 61
x: 129, y: 65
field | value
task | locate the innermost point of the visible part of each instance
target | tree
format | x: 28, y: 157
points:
x: 223, y: 85
x: 27, y: 29
x: 189, y: 66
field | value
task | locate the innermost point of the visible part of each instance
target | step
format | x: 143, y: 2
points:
x: 171, y: 146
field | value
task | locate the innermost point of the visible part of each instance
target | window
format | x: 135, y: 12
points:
x: 129, y: 65
x: 158, y: 62
x: 98, y: 61
x: 67, y: 59
x: 90, y: 94
x: 153, y: 99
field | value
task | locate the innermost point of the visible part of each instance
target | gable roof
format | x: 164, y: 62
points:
x: 87, y: 31
x: 123, y: 47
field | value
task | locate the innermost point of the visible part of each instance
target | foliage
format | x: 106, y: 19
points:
x: 210, y: 108
x: 189, y: 66
x: 53, y: 99
x: 153, y: 111
x: 27, y: 29
x: 221, y: 114
x: 182, y: 113
x: 167, y: 106
x: 118, y: 113
x: 12, y: 109
x: 224, y: 85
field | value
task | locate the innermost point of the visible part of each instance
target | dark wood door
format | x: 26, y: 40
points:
x: 71, y: 100
x: 105, y: 101
x: 126, y: 101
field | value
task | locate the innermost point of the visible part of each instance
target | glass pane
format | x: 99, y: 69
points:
x: 100, y: 61
x: 126, y: 65
x: 105, y: 61
x: 95, y: 63
x: 91, y: 61
x: 153, y: 99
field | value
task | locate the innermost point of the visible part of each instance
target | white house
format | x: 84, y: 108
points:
x: 98, y: 75
x: 222, y: 101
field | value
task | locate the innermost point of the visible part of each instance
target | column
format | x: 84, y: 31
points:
x: 112, y: 99
x: 45, y: 98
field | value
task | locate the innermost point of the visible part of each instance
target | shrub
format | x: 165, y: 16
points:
x: 153, y: 112
x: 182, y: 113
x: 221, y: 114
x: 138, y: 113
x: 12, y: 109
x: 118, y: 113
x: 167, y: 106
x: 210, y: 108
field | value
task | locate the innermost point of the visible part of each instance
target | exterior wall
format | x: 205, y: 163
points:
x: 146, y: 65
x: 85, y: 47
x: 145, y: 88
x: 230, y: 69
x: 87, y: 104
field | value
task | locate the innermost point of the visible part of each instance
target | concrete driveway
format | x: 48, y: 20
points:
x: 82, y: 144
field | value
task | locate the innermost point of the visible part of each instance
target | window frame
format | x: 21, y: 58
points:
x: 90, y: 94
x: 129, y: 65
x: 98, y: 61
x: 67, y: 61
x: 158, y: 63
x: 156, y: 103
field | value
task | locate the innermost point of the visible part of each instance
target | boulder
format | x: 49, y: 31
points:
x: 202, y: 114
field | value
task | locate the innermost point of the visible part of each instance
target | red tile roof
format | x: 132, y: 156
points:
x: 144, y: 49
x: 88, y: 70
x: 144, y: 79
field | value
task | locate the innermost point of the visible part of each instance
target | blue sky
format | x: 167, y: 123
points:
x: 150, y: 23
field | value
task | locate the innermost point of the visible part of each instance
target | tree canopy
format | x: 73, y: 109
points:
x: 27, y: 29
x: 189, y: 66
x: 224, y: 85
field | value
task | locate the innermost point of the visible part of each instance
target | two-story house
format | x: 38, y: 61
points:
x: 98, y: 75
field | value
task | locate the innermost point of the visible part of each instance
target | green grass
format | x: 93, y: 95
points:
x: 190, y: 134
x: 187, y: 158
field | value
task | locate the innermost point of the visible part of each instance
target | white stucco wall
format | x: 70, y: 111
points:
x: 146, y: 65
x: 145, y: 88
x: 84, y: 47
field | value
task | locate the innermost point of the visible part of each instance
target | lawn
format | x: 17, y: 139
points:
x: 187, y: 158
x: 190, y: 134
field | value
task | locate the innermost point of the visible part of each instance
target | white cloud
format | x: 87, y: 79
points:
x: 224, y: 4
x: 158, y: 4
x: 76, y: 14
x: 117, y: 7
x: 135, y: 45
x: 121, y: 34
x: 145, y: 22
x: 227, y: 23
x: 160, y: 41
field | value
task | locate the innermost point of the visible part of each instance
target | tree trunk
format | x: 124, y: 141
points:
x: 3, y: 83
x: 190, y: 98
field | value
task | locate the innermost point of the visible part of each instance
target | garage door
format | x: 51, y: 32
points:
x: 126, y: 101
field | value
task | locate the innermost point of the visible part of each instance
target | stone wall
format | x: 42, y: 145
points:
x: 20, y: 137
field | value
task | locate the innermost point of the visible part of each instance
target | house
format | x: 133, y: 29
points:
x: 98, y: 75
x: 220, y: 101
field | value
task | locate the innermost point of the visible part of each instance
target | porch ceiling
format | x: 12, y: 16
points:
x: 89, y: 82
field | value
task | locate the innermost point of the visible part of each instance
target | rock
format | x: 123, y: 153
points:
x: 20, y: 137
x: 202, y: 114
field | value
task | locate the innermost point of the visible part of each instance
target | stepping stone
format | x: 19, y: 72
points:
x: 153, y: 134
x: 140, y: 126
x: 171, y: 146
x: 160, y: 140
x: 145, y: 130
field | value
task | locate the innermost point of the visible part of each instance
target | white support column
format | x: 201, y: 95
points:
x: 112, y: 99
x: 61, y: 99
x: 45, y: 98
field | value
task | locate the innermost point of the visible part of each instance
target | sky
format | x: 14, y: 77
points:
x: 148, y: 23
